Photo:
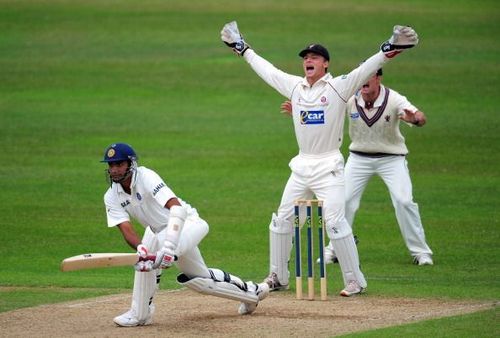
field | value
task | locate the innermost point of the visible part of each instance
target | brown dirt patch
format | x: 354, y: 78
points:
x: 184, y: 313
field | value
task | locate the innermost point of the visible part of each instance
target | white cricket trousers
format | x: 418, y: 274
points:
x: 323, y: 177
x: 394, y: 172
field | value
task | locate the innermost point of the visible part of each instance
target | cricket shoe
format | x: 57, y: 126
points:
x: 274, y: 283
x: 129, y: 318
x: 261, y: 291
x: 423, y: 259
x: 352, y: 288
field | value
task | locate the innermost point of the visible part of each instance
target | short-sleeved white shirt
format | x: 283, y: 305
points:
x: 146, y: 203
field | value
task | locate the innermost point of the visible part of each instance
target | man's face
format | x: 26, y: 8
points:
x: 372, y: 86
x: 118, y: 170
x: 314, y: 66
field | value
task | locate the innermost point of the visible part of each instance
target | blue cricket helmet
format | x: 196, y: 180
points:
x: 118, y: 152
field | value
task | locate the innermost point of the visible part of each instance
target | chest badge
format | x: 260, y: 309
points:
x: 312, y: 117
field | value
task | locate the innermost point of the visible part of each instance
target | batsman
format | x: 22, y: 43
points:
x: 173, y: 230
x: 318, y: 104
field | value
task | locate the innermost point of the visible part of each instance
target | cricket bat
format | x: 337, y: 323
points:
x: 99, y: 260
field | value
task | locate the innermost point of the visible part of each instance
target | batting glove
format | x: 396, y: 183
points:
x: 165, y: 258
x: 403, y: 37
x: 142, y: 251
x: 231, y: 36
x: 144, y: 266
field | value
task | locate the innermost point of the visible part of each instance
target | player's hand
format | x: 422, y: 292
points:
x: 231, y: 36
x: 403, y: 37
x: 165, y: 258
x: 414, y: 117
x: 144, y: 265
x: 142, y: 251
x: 286, y: 108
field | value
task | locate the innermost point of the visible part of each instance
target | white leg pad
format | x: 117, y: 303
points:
x: 142, y: 296
x: 226, y: 290
x: 145, y: 283
x: 347, y: 254
x: 280, y: 247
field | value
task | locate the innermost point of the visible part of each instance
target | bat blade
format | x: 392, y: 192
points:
x: 98, y: 260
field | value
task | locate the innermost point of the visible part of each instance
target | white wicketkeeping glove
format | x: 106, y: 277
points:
x: 231, y: 36
x: 403, y: 37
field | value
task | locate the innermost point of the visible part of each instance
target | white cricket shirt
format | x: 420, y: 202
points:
x: 319, y: 110
x: 146, y: 203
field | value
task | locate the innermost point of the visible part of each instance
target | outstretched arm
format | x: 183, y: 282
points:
x: 284, y: 83
x: 414, y: 117
x: 403, y: 37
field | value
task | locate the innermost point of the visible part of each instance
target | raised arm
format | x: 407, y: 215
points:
x: 284, y: 83
x: 403, y: 37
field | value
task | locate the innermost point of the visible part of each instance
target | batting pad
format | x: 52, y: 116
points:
x: 347, y: 254
x: 208, y: 286
x: 280, y: 247
x: 142, y: 296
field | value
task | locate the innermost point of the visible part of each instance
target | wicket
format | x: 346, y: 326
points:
x: 310, y: 251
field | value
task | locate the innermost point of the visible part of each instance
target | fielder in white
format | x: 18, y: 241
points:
x: 173, y: 230
x: 378, y: 148
x: 318, y: 105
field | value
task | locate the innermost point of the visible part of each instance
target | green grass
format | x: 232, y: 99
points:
x: 76, y: 76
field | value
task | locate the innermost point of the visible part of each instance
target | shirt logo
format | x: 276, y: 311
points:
x: 124, y: 204
x: 139, y: 197
x: 354, y: 115
x: 157, y: 188
x: 312, y: 117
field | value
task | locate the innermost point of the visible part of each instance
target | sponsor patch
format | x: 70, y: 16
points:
x: 158, y: 188
x: 354, y: 115
x: 312, y: 117
x: 139, y: 197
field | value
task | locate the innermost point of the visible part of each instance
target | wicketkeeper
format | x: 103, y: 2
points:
x: 173, y: 231
x: 318, y: 105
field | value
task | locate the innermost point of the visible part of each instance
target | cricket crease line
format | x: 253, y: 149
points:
x: 109, y: 299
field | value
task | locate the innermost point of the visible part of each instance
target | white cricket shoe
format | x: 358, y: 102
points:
x: 129, y: 318
x: 423, y: 259
x: 352, y: 289
x: 262, y: 291
x: 273, y: 282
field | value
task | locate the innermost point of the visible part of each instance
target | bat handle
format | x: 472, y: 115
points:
x: 147, y: 258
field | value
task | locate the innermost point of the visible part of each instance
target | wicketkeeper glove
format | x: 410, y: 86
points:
x: 403, y: 37
x: 231, y: 36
